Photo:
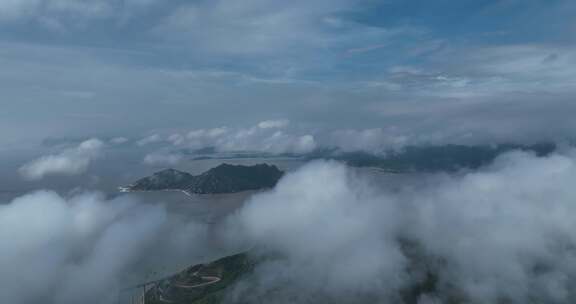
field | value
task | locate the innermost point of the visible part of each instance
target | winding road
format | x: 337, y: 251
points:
x: 209, y: 281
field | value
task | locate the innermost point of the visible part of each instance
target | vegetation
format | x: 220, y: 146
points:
x: 224, y: 178
x: 228, y: 270
x: 434, y: 158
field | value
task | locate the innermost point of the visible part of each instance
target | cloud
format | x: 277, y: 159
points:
x: 335, y: 240
x: 85, y: 248
x: 375, y: 140
x: 162, y: 159
x: 281, y: 136
x: 69, y: 162
x: 496, y: 70
x: 267, y: 124
x: 256, y: 26
x: 454, y: 94
x: 62, y: 15
x: 268, y: 58
x: 483, y: 73
x: 119, y: 140
x: 149, y: 140
x: 223, y: 27
x: 504, y: 233
x: 70, y: 251
x: 267, y: 136
x: 327, y: 232
x: 270, y: 136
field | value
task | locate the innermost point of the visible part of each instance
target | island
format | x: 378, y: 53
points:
x: 225, y: 178
x: 201, y: 283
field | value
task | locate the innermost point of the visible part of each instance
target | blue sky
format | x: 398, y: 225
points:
x: 466, y: 70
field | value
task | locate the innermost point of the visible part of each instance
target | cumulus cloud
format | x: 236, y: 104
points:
x: 277, y: 137
x: 84, y: 248
x: 271, y: 136
x: 326, y: 232
x: 335, y: 237
x: 69, y: 162
x: 504, y: 233
x: 281, y: 136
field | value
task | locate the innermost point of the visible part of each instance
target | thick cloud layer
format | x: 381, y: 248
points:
x: 84, y: 249
x: 336, y: 236
x: 328, y: 233
x: 505, y: 233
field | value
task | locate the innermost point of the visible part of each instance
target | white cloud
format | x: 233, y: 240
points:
x: 325, y: 224
x: 288, y: 58
x: 69, y: 162
x: 85, y: 249
x: 59, y: 251
x: 484, y: 72
x: 149, y: 140
x: 496, y: 228
x: 446, y: 123
x: 162, y: 159
x: 267, y: 124
x: 376, y: 140
x: 505, y: 233
x: 262, y: 27
x: 271, y: 136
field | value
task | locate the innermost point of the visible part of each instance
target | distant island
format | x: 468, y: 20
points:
x: 224, y: 178
x: 408, y: 159
x: 440, y: 158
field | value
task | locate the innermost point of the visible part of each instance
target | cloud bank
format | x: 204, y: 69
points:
x: 504, y: 233
x: 329, y: 233
x: 71, y: 161
x: 69, y: 251
x: 85, y: 249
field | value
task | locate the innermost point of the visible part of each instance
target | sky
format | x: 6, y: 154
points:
x: 470, y: 70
